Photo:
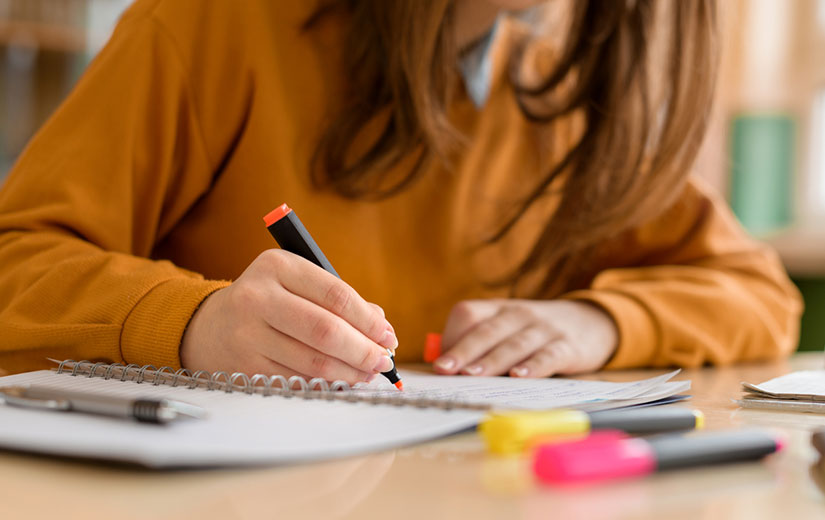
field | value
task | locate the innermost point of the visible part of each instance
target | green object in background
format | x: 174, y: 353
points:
x: 812, y: 336
x: 762, y: 162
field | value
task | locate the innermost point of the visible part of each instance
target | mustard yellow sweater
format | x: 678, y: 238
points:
x: 145, y: 192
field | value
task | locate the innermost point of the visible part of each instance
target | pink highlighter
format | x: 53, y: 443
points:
x: 611, y: 455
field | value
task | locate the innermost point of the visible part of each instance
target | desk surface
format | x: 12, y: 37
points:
x: 445, y: 479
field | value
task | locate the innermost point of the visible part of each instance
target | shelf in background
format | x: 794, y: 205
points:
x: 61, y: 38
x: 802, y: 250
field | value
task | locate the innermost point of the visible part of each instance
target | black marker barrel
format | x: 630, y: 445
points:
x: 647, y: 420
x: 288, y: 230
x: 676, y: 451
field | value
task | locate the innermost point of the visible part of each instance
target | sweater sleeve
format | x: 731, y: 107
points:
x: 696, y: 291
x: 103, y: 181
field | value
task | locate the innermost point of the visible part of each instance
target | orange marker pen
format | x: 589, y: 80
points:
x: 288, y: 230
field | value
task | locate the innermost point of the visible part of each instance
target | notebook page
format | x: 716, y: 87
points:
x: 240, y: 429
x: 515, y: 393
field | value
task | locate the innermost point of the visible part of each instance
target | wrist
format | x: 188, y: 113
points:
x: 593, y: 327
x: 193, y: 337
x: 601, y: 319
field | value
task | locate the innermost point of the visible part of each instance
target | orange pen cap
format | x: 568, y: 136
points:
x: 432, y: 347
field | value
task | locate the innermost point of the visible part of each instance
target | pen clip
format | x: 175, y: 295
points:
x: 171, y: 409
x: 16, y: 396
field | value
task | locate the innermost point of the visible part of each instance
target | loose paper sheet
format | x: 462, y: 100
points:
x: 805, y: 384
x: 537, y: 394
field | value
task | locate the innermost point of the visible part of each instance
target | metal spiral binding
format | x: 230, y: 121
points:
x: 275, y: 385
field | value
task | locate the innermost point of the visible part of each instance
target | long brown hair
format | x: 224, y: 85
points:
x: 639, y: 136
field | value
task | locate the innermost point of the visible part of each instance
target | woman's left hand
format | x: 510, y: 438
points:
x: 526, y: 338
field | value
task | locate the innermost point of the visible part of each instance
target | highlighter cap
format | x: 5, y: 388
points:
x: 601, y: 456
x: 510, y: 433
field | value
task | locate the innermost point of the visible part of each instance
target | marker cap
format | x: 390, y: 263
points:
x: 600, y: 456
x: 700, y: 419
x: 276, y: 214
x: 508, y: 433
x: 432, y: 347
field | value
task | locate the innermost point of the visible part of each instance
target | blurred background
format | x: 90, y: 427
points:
x: 765, y: 149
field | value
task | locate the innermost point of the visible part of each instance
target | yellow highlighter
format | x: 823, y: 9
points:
x: 508, y: 433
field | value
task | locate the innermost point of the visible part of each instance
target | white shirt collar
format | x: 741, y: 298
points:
x: 476, y: 67
x: 476, y: 63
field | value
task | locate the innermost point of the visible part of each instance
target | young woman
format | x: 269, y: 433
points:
x: 516, y: 179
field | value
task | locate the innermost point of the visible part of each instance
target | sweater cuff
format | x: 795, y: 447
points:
x: 638, y: 334
x: 153, y: 331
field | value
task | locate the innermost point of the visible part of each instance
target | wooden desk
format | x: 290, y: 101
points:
x: 450, y: 478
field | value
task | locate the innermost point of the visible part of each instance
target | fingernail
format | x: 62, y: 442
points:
x: 370, y: 378
x: 385, y: 364
x: 389, y: 326
x: 445, y: 363
x: 473, y: 370
x: 388, y: 339
x: 519, y: 372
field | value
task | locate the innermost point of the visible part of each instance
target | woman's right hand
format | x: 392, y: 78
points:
x: 285, y: 315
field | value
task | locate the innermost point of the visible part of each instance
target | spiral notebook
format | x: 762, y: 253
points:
x: 274, y: 420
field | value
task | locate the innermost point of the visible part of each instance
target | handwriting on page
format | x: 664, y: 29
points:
x: 503, y: 392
